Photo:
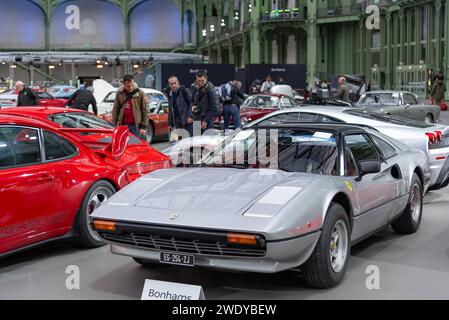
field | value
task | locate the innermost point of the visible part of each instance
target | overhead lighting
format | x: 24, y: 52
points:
x: 136, y: 66
x: 13, y: 66
x: 51, y: 66
x: 3, y: 62
x: 98, y: 61
x: 106, y: 63
x: 100, y: 66
x: 204, y: 32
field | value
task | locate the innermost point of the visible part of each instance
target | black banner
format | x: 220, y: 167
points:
x: 216, y: 73
x: 294, y: 75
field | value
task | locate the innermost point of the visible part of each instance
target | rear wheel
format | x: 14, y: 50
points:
x: 327, y: 265
x: 87, y: 237
x: 429, y: 118
x: 410, y: 219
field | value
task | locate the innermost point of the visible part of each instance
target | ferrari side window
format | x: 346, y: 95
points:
x: 350, y: 167
x: 361, y: 147
x: 57, y: 147
x: 387, y: 150
x: 19, y: 146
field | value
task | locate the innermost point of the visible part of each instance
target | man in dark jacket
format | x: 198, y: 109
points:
x: 180, y: 103
x: 205, y: 101
x: 26, y: 96
x: 438, y: 90
x: 81, y: 99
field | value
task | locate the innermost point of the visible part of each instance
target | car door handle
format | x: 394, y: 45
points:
x: 45, y: 178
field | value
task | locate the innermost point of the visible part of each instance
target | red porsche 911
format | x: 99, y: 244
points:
x: 56, y: 167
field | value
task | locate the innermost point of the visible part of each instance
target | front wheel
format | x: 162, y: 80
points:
x: 87, y: 237
x: 149, y: 137
x: 327, y: 265
x: 410, y: 219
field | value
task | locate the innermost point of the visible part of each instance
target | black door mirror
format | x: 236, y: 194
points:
x: 367, y: 167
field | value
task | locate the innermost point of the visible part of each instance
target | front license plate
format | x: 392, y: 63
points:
x: 178, y: 259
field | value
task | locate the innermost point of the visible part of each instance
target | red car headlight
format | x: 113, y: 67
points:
x: 140, y: 169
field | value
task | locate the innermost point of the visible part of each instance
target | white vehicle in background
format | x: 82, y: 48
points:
x: 107, y: 103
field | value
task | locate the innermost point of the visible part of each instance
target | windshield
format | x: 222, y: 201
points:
x: 155, y: 97
x: 388, y: 118
x: 80, y: 120
x: 387, y: 98
x: 291, y: 150
x: 110, y: 98
x: 264, y: 102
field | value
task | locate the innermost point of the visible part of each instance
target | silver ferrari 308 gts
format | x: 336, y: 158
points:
x: 271, y: 198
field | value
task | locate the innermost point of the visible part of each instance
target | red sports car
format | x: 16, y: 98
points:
x: 9, y: 99
x: 56, y: 167
x: 259, y: 105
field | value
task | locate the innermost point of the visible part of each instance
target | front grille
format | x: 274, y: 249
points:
x: 198, y: 247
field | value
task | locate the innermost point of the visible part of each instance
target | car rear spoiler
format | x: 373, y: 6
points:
x: 114, y: 150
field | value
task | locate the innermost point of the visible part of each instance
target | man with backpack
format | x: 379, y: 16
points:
x: 180, y: 103
x: 231, y: 98
x: 131, y: 107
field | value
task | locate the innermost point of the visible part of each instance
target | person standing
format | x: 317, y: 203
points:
x: 131, y: 107
x: 25, y: 96
x: 232, y: 98
x: 343, y: 91
x: 205, y: 106
x: 438, y: 90
x: 267, y: 85
x: 82, y: 99
x: 179, y: 100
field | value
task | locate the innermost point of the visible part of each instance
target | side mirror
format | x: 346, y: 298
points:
x: 367, y: 167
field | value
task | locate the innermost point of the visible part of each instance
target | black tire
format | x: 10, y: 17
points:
x: 149, y: 136
x: 429, y: 118
x: 86, y: 237
x: 318, y: 271
x: 410, y: 220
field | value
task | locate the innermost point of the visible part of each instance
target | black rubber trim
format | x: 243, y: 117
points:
x: 179, y: 232
x: 296, y: 237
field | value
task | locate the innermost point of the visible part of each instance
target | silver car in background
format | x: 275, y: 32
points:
x: 400, y: 103
x: 432, y: 139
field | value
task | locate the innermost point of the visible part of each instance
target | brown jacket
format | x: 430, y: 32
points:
x: 140, y: 107
x: 438, y: 90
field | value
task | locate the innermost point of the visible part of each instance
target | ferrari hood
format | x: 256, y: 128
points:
x: 211, y: 190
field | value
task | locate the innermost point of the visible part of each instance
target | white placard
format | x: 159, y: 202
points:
x: 160, y: 290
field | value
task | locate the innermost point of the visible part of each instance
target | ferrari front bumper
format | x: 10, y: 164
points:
x: 280, y: 255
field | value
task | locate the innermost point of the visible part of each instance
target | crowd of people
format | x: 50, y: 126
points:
x: 196, y: 106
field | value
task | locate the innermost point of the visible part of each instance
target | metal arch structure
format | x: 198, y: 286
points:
x: 47, y: 6
x: 125, y: 6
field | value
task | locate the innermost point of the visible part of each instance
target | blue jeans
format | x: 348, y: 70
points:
x: 231, y: 110
x: 133, y: 129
